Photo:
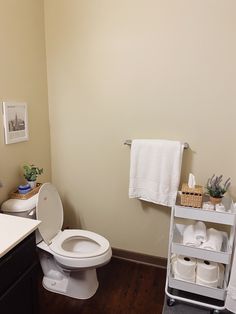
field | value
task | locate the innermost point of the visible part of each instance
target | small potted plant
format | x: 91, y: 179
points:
x: 216, y: 189
x: 31, y: 172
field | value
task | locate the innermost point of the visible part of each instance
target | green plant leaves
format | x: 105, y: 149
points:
x: 215, y: 188
x: 31, y: 172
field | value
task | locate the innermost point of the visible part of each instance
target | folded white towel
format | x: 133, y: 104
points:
x: 189, y: 237
x: 214, y: 240
x: 220, y: 208
x: 155, y: 167
x: 200, y: 231
x: 208, y: 206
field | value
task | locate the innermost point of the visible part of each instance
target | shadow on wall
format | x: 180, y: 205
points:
x: 146, y: 206
x: 71, y: 220
x: 186, y: 165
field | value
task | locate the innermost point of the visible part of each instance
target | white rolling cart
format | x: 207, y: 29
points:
x: 196, y: 294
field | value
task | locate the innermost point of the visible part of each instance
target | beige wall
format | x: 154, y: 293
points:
x: 137, y: 69
x: 23, y: 78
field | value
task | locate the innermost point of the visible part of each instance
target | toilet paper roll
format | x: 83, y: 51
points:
x: 207, y: 271
x: 181, y: 277
x: 177, y: 276
x: 186, y: 267
x: 212, y: 284
x: 221, y: 276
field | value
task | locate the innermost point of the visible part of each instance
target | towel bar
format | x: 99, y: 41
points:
x: 129, y: 142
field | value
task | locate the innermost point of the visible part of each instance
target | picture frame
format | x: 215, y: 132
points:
x: 15, y: 121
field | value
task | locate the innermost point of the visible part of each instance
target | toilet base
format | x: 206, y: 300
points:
x: 75, y: 284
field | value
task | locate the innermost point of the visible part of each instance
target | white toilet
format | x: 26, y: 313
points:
x: 68, y: 258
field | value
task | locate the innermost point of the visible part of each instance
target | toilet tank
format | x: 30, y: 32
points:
x: 22, y: 208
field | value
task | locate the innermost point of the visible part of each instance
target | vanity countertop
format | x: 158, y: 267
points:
x: 13, y: 230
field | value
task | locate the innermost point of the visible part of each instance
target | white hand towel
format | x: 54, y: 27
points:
x: 155, y: 167
x: 200, y: 232
x: 214, y: 240
x: 189, y: 238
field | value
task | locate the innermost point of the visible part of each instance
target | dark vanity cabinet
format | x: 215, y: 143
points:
x: 18, y: 279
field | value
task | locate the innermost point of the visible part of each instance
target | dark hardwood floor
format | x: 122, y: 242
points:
x: 124, y: 288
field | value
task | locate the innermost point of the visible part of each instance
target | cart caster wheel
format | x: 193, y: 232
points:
x: 215, y: 311
x: 170, y: 302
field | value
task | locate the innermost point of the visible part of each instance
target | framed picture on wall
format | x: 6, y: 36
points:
x: 15, y: 121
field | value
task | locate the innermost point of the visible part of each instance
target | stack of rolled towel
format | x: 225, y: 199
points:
x: 201, y: 272
x: 197, y: 235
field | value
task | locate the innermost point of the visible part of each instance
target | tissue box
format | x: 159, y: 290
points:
x: 191, y: 197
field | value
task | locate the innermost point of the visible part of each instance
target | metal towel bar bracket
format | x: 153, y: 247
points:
x: 129, y: 142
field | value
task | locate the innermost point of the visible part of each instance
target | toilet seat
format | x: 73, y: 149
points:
x: 78, y: 243
x: 71, y: 244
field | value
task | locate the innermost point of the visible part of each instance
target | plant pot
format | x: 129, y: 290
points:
x: 215, y: 200
x: 32, y: 184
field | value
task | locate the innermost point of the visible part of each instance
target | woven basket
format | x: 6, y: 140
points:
x: 28, y: 195
x: 191, y: 197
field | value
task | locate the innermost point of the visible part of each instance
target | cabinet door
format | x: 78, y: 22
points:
x: 21, y: 298
x: 16, y: 262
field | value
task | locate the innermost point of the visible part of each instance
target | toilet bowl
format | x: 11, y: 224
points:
x: 68, y: 258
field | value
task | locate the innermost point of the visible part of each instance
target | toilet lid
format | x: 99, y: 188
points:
x: 50, y: 211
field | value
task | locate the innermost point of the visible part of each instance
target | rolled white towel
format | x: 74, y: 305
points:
x: 214, y: 240
x: 200, y: 231
x: 208, y: 206
x: 189, y: 238
x: 220, y: 208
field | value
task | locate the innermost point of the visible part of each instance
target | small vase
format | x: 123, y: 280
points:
x: 215, y: 200
x: 32, y: 184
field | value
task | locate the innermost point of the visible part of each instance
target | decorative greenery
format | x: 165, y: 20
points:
x: 215, y: 187
x: 31, y: 172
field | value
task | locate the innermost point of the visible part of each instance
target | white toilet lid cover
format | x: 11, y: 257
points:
x: 49, y: 210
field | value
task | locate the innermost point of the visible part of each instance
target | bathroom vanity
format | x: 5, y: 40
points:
x: 18, y: 265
